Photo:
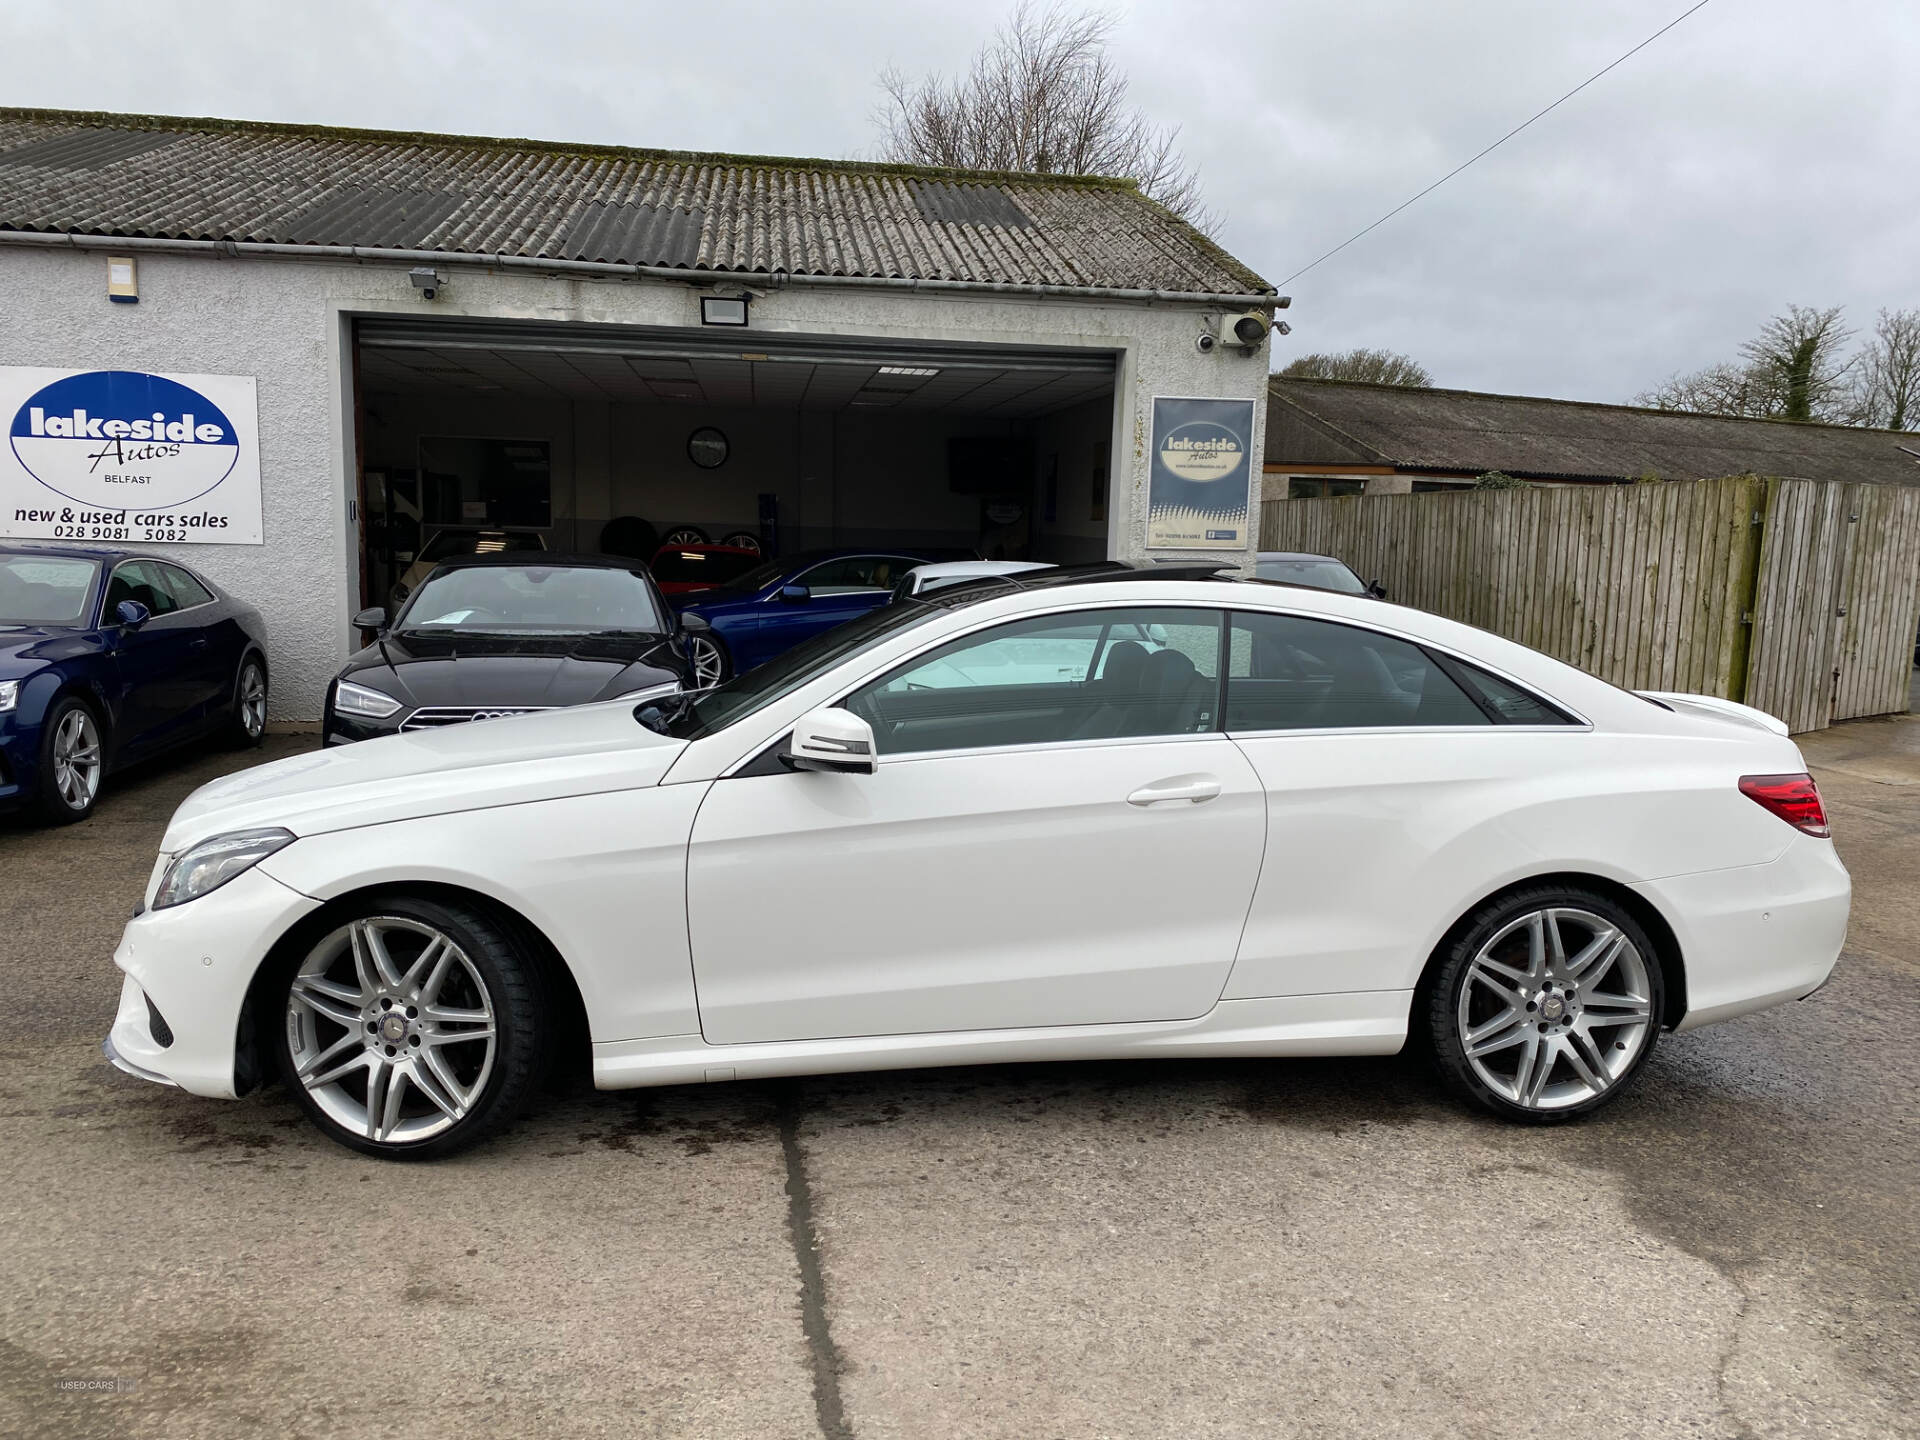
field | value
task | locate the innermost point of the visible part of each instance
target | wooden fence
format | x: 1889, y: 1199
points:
x: 1797, y: 596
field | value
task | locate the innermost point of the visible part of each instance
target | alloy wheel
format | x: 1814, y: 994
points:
x: 1555, y: 1009
x: 253, y: 701
x: 76, y: 759
x: 684, y: 535
x: 709, y: 664
x: 391, y: 1029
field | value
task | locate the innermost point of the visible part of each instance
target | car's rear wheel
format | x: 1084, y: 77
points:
x: 249, y: 721
x: 1545, y: 1004
x: 72, y: 762
x: 710, y: 662
x: 412, y: 1029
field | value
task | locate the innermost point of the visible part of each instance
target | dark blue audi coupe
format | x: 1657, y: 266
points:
x: 108, y: 657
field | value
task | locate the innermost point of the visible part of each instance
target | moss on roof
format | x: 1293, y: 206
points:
x: 114, y: 120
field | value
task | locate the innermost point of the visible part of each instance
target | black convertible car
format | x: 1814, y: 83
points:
x: 486, y: 636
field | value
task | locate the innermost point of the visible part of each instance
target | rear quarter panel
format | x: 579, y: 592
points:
x: 1379, y: 842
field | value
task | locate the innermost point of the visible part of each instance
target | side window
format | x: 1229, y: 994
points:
x: 1513, y: 705
x: 1289, y: 673
x: 186, y: 590
x: 140, y: 580
x: 854, y: 572
x: 1090, y: 675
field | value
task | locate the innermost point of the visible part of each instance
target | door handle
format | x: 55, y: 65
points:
x: 199, y: 642
x: 1193, y: 788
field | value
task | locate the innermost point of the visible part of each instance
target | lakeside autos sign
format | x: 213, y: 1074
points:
x: 125, y: 455
x: 1197, y: 494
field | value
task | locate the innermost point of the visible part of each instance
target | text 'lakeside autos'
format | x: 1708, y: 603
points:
x: 107, y: 658
x: 1045, y: 817
x: 487, y: 636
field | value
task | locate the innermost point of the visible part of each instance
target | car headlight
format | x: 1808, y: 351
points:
x: 363, y: 700
x: 212, y: 863
x: 652, y: 692
x: 9, y: 694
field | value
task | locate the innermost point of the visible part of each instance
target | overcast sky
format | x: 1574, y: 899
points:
x: 1762, y: 152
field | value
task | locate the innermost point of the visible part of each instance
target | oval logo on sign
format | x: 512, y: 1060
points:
x: 1201, y: 450
x: 122, y: 439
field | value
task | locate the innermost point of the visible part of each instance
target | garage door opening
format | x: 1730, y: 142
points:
x: 584, y: 438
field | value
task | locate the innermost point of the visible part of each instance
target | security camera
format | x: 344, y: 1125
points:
x: 1247, y: 331
x: 426, y: 281
x: 1205, y: 342
x: 1280, y: 327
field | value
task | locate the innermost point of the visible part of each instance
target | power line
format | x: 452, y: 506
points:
x: 1498, y: 143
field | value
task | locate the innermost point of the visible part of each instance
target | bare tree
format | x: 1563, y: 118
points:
x: 1794, y: 369
x: 1890, y: 372
x: 1376, y: 367
x: 1043, y: 95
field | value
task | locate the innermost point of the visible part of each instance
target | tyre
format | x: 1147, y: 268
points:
x: 630, y: 536
x: 1545, y: 1004
x: 684, y: 535
x: 247, y: 722
x: 742, y: 540
x: 412, y: 1029
x: 711, y: 664
x: 72, y: 762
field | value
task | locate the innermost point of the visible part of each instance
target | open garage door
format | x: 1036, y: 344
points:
x: 591, y: 437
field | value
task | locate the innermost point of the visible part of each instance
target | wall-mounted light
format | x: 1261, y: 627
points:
x: 427, y: 281
x: 723, y: 309
x: 123, y: 284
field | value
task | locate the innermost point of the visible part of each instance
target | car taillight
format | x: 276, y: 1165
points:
x: 1794, y: 798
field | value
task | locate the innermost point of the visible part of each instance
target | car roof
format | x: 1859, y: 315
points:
x: 1107, y: 572
x: 541, y: 560
x: 72, y: 552
x: 702, y: 547
x: 1297, y: 555
x: 941, y: 569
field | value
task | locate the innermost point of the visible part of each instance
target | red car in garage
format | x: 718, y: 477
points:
x: 689, y: 569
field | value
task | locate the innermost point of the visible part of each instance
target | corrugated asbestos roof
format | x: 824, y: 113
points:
x: 1337, y: 422
x: 242, y: 181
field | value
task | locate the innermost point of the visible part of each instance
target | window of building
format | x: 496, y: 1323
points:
x: 1304, y: 487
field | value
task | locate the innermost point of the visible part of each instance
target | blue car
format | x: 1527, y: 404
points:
x: 775, y: 606
x: 108, y: 657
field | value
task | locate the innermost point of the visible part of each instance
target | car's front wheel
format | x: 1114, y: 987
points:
x: 411, y: 1029
x: 72, y: 762
x: 1545, y: 1004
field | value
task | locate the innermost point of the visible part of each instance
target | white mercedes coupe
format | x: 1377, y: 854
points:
x: 1053, y: 816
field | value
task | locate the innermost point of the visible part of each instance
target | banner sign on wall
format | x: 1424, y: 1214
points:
x: 112, y: 455
x: 1197, y: 491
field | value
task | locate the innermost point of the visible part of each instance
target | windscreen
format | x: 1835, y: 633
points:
x: 46, y: 589
x: 702, y: 567
x: 1314, y: 570
x: 715, y: 709
x: 533, y: 600
x: 449, y: 543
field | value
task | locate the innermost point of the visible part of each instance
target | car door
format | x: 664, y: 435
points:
x: 213, y: 644
x: 838, y: 590
x: 154, y: 661
x: 1057, y: 833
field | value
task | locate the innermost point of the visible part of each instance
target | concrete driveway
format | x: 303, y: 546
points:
x: 1170, y: 1249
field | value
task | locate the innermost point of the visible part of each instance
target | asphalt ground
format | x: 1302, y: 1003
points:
x: 1240, y: 1248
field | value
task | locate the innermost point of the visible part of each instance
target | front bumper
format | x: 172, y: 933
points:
x: 19, y: 760
x: 193, y: 963
x: 1758, y: 935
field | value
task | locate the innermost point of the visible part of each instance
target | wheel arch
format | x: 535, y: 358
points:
x: 573, y: 1050
x: 1672, y: 960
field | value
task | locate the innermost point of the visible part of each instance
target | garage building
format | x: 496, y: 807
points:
x: 440, y: 331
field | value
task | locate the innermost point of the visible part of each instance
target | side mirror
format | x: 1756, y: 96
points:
x: 132, y: 614
x: 838, y: 741
x: 794, y: 594
x: 1376, y: 590
x: 694, y: 624
x: 372, y: 619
